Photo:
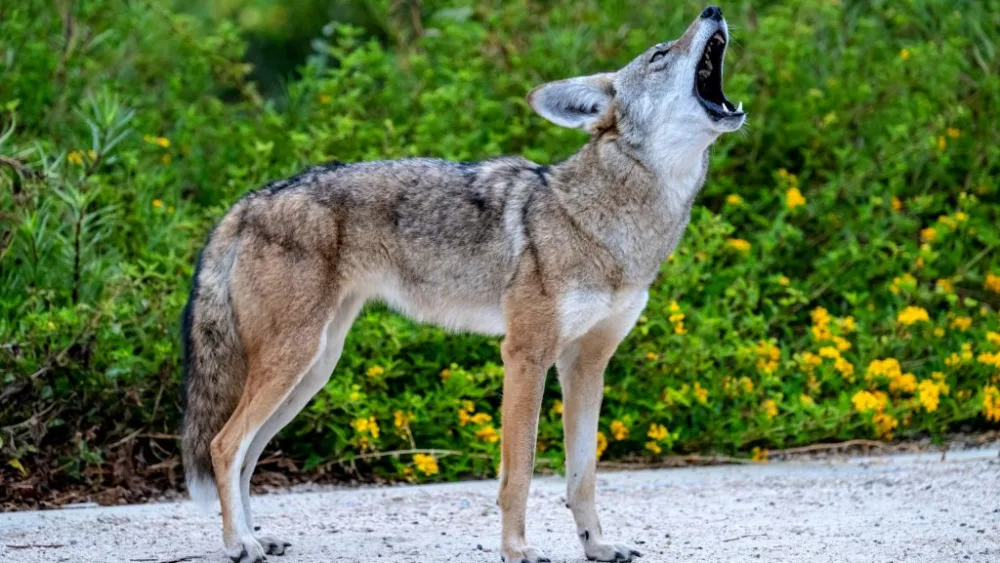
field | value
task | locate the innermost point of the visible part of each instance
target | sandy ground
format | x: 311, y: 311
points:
x: 912, y: 508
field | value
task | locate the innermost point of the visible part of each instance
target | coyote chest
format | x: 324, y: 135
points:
x: 581, y: 310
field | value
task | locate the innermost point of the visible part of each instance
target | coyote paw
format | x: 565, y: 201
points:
x: 272, y: 545
x: 613, y: 553
x: 247, y: 550
x: 523, y: 555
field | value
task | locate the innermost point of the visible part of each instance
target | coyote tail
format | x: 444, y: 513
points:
x: 214, y: 363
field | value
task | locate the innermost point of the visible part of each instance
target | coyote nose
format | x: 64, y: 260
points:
x: 712, y: 12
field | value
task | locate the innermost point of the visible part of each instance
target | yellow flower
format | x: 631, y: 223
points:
x: 911, y: 315
x: 75, y: 157
x: 928, y: 235
x: 401, y: 420
x: 166, y: 159
x: 463, y: 417
x: 480, y: 418
x: 992, y: 283
x: 821, y: 333
x: 845, y: 367
x: 847, y: 325
x: 734, y: 199
x: 375, y: 371
x: 842, y: 343
x: 811, y: 360
x: 929, y: 392
x: 806, y: 400
x: 163, y: 142
x: 941, y: 143
x: 651, y: 356
x: 747, y: 384
x: 657, y: 432
x: 354, y: 396
x: 953, y: 133
x: 993, y: 338
x: 758, y: 455
x: 944, y: 285
x: 897, y: 205
x: 678, y: 321
x: 700, y: 393
x: 962, y: 323
x: 674, y: 307
x: 653, y: 447
x: 602, y: 444
x: 793, y: 198
x: 738, y: 244
x: 904, y: 382
x: 864, y: 401
x: 366, y: 426
x: 884, y: 424
x: 768, y: 355
x: 770, y: 408
x: 829, y: 352
x: 557, y: 407
x: 445, y: 374
x: 426, y: 464
x: 488, y: 434
x: 991, y: 403
x: 157, y: 203
x: 820, y: 316
x: 989, y: 359
x: 619, y: 430
x: 783, y: 280
x: 888, y: 368
x: 904, y: 54
x: 325, y: 99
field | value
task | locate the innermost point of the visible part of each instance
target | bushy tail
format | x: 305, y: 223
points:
x: 214, y: 365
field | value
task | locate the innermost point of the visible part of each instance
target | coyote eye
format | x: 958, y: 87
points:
x: 658, y: 55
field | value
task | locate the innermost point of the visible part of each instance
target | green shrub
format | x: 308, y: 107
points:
x: 839, y: 278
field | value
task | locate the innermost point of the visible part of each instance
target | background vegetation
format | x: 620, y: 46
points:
x: 839, y: 279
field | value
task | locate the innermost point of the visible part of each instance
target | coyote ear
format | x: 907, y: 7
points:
x: 577, y: 103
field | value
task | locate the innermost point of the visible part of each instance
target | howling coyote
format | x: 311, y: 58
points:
x: 558, y: 258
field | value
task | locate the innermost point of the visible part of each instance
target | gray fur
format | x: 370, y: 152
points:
x: 551, y: 255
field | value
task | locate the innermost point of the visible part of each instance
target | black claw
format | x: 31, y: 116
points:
x: 635, y: 553
x: 256, y: 528
x: 544, y: 560
x: 239, y: 557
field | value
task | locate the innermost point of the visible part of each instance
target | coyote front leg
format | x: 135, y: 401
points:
x: 581, y: 374
x: 528, y: 352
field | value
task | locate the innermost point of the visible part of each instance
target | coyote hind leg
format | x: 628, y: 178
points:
x: 314, y: 380
x: 275, y: 369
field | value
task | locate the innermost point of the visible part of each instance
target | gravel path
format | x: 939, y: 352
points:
x: 912, y: 508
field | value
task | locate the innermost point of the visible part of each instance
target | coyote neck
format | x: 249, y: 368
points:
x: 637, y: 208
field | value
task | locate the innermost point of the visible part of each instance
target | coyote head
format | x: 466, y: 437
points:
x: 667, y: 99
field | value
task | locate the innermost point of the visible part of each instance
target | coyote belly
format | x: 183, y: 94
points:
x: 558, y: 258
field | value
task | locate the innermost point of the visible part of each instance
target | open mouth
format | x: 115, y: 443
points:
x: 708, y: 80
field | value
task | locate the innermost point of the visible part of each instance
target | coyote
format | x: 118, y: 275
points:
x: 558, y: 258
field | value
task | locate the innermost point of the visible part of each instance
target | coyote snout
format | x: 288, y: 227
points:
x: 558, y: 258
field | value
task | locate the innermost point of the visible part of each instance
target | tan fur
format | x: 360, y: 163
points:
x: 558, y: 258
